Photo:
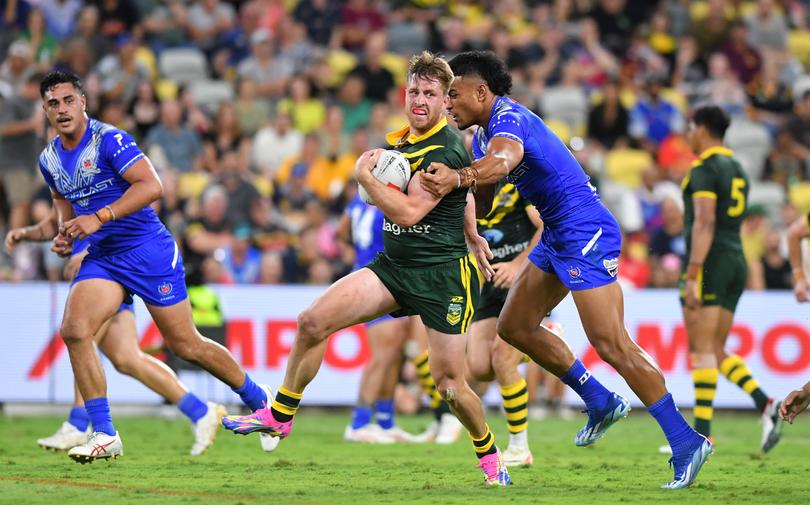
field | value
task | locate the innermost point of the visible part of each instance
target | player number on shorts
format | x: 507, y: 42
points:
x: 737, y: 186
x: 119, y: 137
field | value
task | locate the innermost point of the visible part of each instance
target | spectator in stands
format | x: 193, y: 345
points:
x: 60, y: 16
x: 161, y: 22
x: 121, y: 73
x: 711, y: 31
x: 753, y: 231
x: 144, y: 109
x: 293, y: 45
x: 356, y: 107
x: 783, y: 165
x: 767, y: 27
x: 320, y: 17
x: 241, y: 192
x: 210, y: 23
x: 653, y: 118
x: 378, y: 81
x: 17, y: 66
x: 770, y: 98
x: 608, y: 120
x: 275, y: 143
x: 744, y: 59
x: 308, y: 112
x: 566, y: 101
x: 209, y: 230
x: 224, y: 135
x: 251, y: 112
x: 269, y: 232
x: 270, y: 74
x: 43, y: 44
x: 358, y: 18
x: 21, y: 122
x: 116, y: 17
x: 292, y: 197
x: 667, y: 246
x: 798, y: 125
x: 271, y: 269
x: 318, y: 171
x: 180, y: 145
x: 241, y: 260
x: 87, y: 31
x: 616, y: 22
x: 690, y: 70
x: 776, y: 271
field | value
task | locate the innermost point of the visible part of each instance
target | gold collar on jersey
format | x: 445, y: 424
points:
x: 404, y: 136
x: 706, y: 154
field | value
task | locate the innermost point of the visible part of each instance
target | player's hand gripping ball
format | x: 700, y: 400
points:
x: 392, y: 169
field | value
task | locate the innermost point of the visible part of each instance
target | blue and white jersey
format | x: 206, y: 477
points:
x: 549, y: 176
x: 90, y: 177
x: 367, y: 230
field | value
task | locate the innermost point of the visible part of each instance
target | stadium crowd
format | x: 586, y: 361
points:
x: 253, y: 113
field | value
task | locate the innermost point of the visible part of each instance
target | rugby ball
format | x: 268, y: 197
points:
x: 392, y: 169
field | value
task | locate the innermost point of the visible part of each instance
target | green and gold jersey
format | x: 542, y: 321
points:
x: 439, y: 236
x: 507, y: 227
x: 717, y: 175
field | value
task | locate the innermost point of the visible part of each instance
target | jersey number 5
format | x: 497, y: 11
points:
x: 737, y: 186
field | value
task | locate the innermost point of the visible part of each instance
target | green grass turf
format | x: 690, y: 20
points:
x: 315, y: 466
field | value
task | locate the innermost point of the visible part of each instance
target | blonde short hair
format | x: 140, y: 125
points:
x: 430, y: 66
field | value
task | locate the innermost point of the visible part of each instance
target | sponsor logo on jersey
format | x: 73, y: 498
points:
x: 493, y: 236
x: 611, y: 265
x: 398, y: 230
x: 509, y: 249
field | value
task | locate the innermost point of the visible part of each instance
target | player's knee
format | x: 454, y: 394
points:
x: 610, y: 350
x: 185, y: 349
x: 125, y: 365
x: 510, y: 332
x: 480, y: 371
x: 73, y: 332
x: 311, y: 328
x: 449, y: 389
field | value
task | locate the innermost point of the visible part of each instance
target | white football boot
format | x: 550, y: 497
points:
x: 449, y: 429
x: 205, y: 429
x: 98, y: 446
x: 66, y: 437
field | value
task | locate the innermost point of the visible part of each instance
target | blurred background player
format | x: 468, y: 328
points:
x: 362, y: 226
x: 512, y: 227
x: 118, y: 340
x: 715, y: 194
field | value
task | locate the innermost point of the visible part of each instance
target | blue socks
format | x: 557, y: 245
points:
x: 385, y: 413
x: 192, y: 407
x: 98, y: 409
x: 361, y: 417
x: 78, y: 418
x: 679, y: 434
x: 586, y: 386
x: 252, y: 395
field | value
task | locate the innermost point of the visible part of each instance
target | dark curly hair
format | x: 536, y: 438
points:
x: 57, y: 77
x: 713, y: 118
x: 485, y: 65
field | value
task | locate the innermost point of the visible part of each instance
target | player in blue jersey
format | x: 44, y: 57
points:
x: 118, y: 340
x: 102, y: 187
x: 578, y: 252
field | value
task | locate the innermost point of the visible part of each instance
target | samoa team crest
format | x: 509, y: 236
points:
x: 165, y: 288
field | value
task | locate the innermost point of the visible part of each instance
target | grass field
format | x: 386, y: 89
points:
x: 315, y: 466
